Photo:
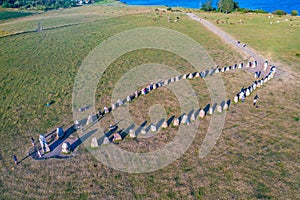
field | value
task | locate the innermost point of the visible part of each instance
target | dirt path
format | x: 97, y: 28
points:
x: 248, y: 52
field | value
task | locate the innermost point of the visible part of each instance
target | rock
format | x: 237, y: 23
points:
x: 153, y: 128
x: 120, y: 102
x: 176, y: 122
x: 202, y: 113
x: 59, y: 133
x: 165, y: 124
x: 117, y: 137
x: 225, y: 107
x: 197, y: 74
x: 227, y: 68
x: 89, y: 120
x: 94, y: 142
x: 76, y: 125
x: 172, y: 80
x: 166, y: 82
x: 193, y: 118
x: 128, y: 98
x: 106, y: 110
x: 113, y: 106
x: 143, y: 131
x: 236, y: 99
x: 223, y: 69
x: 136, y: 94
x: 191, y: 76
x: 105, y: 141
x: 211, y: 111
x: 266, y: 65
x: 66, y: 147
x: 219, y: 109
x: 177, y: 78
x: 241, y: 65
x: 185, y: 76
x: 247, y: 92
x: 184, y: 119
x: 132, y: 133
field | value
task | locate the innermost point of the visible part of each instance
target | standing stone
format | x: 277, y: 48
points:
x: 136, y: 94
x: 165, y: 124
x: 191, y: 76
x: 225, y: 107
x: 117, y: 137
x: 144, y: 91
x: 219, y: 109
x: 223, y: 69
x: 202, y: 113
x: 153, y: 128
x: 120, y: 102
x: 106, y: 110
x: 266, y: 65
x: 228, y: 68
x: 94, y: 142
x: 210, y: 111
x: 105, y: 141
x: 185, y: 76
x: 254, y: 86
x: 89, y: 120
x: 76, y: 125
x: 172, y: 80
x: 254, y: 64
x: 128, y: 98
x: 197, y: 74
x: 66, y: 147
x: 236, y: 99
x: 166, y: 82
x: 176, y: 122
x: 154, y: 86
x: 247, y: 92
x: 143, y: 131
x: 184, y: 119
x: 241, y: 65
x: 132, y: 133
x: 113, y: 106
x: 59, y: 133
x: 177, y: 78
x: 251, y: 89
x: 193, y: 118
x: 234, y: 66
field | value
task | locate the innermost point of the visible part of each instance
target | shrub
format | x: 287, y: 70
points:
x: 279, y: 12
x: 294, y: 13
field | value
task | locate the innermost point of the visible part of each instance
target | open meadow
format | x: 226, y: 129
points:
x: 256, y: 157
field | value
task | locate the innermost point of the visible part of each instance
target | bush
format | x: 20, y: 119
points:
x: 294, y: 13
x: 279, y: 12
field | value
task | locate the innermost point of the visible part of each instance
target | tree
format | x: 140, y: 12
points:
x: 226, y: 6
x: 294, y: 13
x: 207, y: 6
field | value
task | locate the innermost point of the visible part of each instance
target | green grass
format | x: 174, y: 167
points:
x: 277, y: 37
x: 4, y: 15
x: 37, y: 68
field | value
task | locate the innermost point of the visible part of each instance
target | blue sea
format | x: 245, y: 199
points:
x: 267, y: 5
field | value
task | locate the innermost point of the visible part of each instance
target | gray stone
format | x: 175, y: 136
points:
x: 117, y: 137
x: 66, y: 147
x: 105, y: 141
x: 59, y: 133
x: 165, y: 124
x: 128, y: 98
x: 193, y: 118
x: 184, y: 119
x: 94, y: 142
x: 247, y: 92
x: 225, y: 107
x: 89, y: 120
x: 153, y: 128
x: 185, y: 76
x: 236, y: 99
x: 219, y: 109
x: 143, y: 131
x: 176, y: 122
x: 191, y: 76
x: 106, y: 110
x: 113, y: 106
x: 132, y: 133
x: 202, y: 113
x: 211, y: 111
x: 120, y: 102
x: 177, y: 78
x: 166, y: 82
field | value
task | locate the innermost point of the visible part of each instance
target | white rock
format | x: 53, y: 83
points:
x: 236, y: 99
x: 153, y: 128
x: 193, y: 118
x: 132, y: 133
x: 94, y: 142
x: 165, y: 124
x: 113, y: 106
x: 225, y: 107
x: 202, y: 113
x: 66, y: 147
x: 184, y: 119
x: 219, y: 109
x: 89, y: 120
x: 176, y: 122
x: 211, y: 111
x: 128, y: 98
x: 105, y: 140
x: 247, y: 92
x: 120, y: 102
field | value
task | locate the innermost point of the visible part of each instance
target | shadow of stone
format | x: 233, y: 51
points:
x: 139, y: 129
x: 82, y: 139
x: 228, y: 102
x: 169, y: 121
x: 214, y: 107
x: 159, y: 124
x: 206, y: 108
x: 197, y: 113
x: 126, y: 131
x: 206, y: 73
x: 222, y: 104
x: 190, y: 114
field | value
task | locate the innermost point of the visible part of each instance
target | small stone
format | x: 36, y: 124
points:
x: 185, y: 76
x: 176, y: 122
x: 89, y: 120
x: 184, y: 119
x: 225, y: 107
x: 66, y: 147
x: 106, y: 110
x: 113, y: 106
x: 166, y: 82
x: 128, y: 98
x: 143, y: 131
x: 219, y: 109
x: 247, y: 92
x: 120, y: 102
x: 153, y: 128
x: 132, y: 133
x: 193, y: 118
x: 236, y: 99
x: 202, y: 113
x: 94, y: 142
x: 105, y: 141
x: 191, y: 76
x: 165, y: 124
x: 177, y: 78
x: 117, y: 137
x: 211, y: 111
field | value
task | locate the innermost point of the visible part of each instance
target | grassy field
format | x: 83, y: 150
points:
x: 256, y: 156
x: 9, y: 14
